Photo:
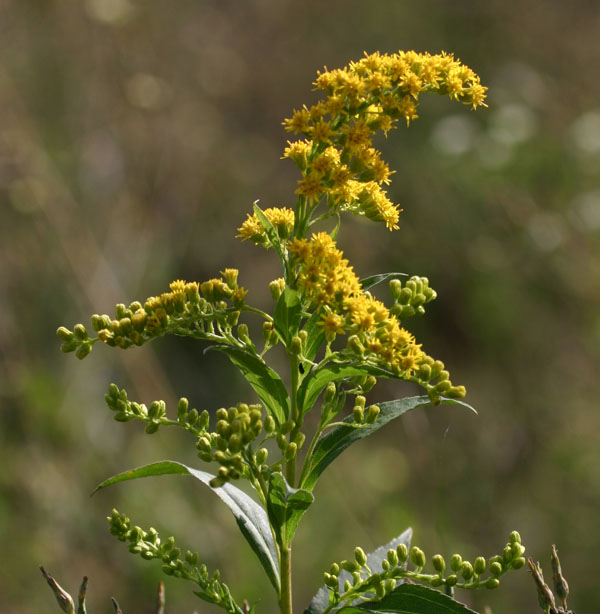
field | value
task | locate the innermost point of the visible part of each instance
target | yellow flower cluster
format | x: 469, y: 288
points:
x: 282, y: 220
x: 326, y: 279
x: 336, y: 157
x: 188, y: 308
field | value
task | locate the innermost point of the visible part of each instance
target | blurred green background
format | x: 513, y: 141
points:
x: 134, y: 137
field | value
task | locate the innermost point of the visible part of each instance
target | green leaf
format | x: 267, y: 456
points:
x: 374, y: 559
x: 270, y: 232
x: 287, y: 315
x: 411, y: 599
x: 369, y: 282
x: 316, y: 380
x: 250, y: 517
x: 285, y: 506
x: 315, y: 335
x: 331, y: 445
x: 266, y: 383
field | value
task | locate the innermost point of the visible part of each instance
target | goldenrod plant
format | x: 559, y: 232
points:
x: 339, y: 340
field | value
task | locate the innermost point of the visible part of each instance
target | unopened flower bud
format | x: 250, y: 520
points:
x: 395, y: 288
x: 355, y: 345
x: 261, y: 456
x: 329, y: 393
x: 369, y: 383
x: 417, y: 556
x: 295, y: 347
x: 64, y: 333
x: 492, y: 583
x: 402, y: 552
x: 267, y: 330
x: 80, y: 332
x: 514, y: 537
x: 182, y: 408
x: 518, y: 562
x: 358, y: 414
x: 291, y: 451
x: 466, y: 570
x: 496, y: 569
x: 203, y: 419
x: 286, y: 427
x: 360, y: 556
x: 451, y: 580
x: 372, y: 414
x: 83, y: 351
x: 276, y: 287
x: 347, y: 586
x: 269, y: 425
x: 350, y: 566
x: 360, y: 401
x: 479, y: 565
x: 439, y: 564
x: 334, y: 570
x: 392, y: 557
x: 299, y: 440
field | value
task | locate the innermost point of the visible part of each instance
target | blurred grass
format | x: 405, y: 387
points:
x: 134, y: 138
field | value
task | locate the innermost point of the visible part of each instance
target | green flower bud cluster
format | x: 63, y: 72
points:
x: 189, y: 309
x: 546, y: 597
x: 364, y: 416
x: 235, y: 429
x: 156, y: 414
x: 289, y: 443
x: 432, y: 375
x: 402, y: 562
x: 149, y: 546
x: 410, y: 297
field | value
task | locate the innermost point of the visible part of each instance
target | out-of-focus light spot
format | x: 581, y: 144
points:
x: 584, y: 210
x: 222, y: 72
x: 454, y: 135
x: 512, y: 124
x: 102, y: 163
x: 110, y: 12
x: 547, y: 230
x: 585, y: 132
x: 487, y: 254
x: 147, y: 92
x: 492, y: 154
x: 27, y: 194
x: 517, y: 81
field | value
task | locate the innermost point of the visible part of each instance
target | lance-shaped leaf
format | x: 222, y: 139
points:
x: 250, y: 517
x: 374, y: 559
x: 369, y: 282
x: 314, y: 383
x: 331, y: 445
x: 411, y: 599
x: 287, y: 315
x: 266, y: 383
x: 285, y: 506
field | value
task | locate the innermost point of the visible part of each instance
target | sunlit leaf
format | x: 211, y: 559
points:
x: 250, y: 517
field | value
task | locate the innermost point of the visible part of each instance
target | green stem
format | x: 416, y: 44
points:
x: 290, y: 467
x: 285, y: 600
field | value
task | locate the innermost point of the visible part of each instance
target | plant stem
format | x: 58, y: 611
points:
x: 285, y: 600
x: 290, y: 467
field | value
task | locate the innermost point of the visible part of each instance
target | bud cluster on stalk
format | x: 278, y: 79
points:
x: 149, y: 545
x: 410, y: 297
x: 350, y: 578
x: 235, y: 429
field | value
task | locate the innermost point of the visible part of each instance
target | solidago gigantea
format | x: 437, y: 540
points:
x: 319, y: 300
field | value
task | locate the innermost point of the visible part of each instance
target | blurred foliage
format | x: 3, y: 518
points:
x: 134, y: 137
